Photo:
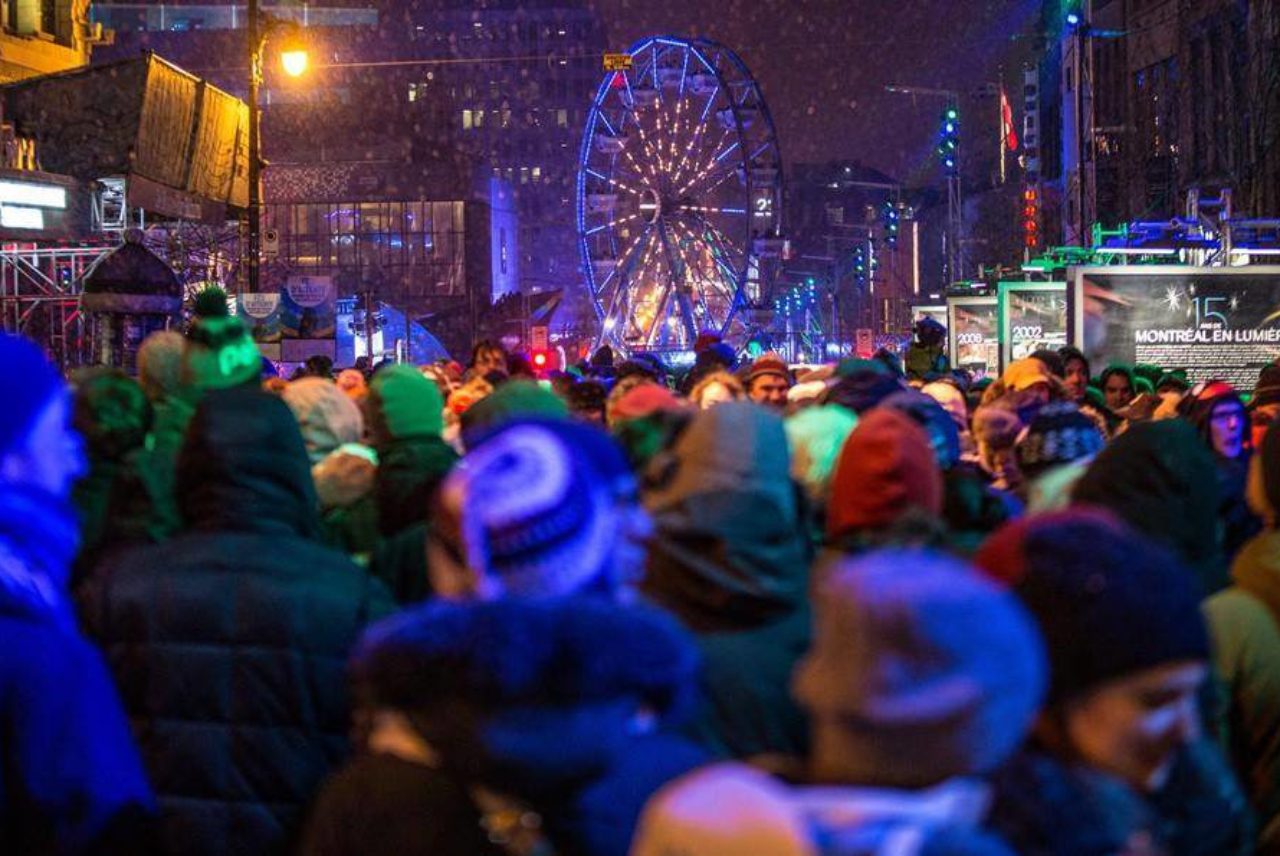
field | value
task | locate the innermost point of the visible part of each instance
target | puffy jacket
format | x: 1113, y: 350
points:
x: 229, y: 642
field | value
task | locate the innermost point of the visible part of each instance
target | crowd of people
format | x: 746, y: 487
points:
x: 856, y: 609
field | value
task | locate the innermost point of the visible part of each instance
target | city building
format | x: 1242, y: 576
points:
x: 499, y: 89
x: 45, y: 37
x: 1159, y: 98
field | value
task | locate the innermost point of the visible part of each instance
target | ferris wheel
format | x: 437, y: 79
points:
x: 679, y: 195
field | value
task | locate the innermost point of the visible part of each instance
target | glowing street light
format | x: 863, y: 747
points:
x: 294, y: 61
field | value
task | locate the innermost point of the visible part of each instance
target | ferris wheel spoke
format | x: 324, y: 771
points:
x: 711, y: 163
x: 697, y: 137
x: 699, y: 279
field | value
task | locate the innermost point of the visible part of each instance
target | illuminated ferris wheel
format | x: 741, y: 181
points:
x: 679, y: 189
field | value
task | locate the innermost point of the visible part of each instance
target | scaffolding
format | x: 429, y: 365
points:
x: 40, y: 296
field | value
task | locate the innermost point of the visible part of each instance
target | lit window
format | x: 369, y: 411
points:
x: 466, y: 120
x: 562, y: 118
x: 537, y: 173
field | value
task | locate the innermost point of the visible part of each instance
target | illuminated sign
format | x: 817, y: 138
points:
x: 32, y: 195
x: 618, y: 62
x: 14, y: 217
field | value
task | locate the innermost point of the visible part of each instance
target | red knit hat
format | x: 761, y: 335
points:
x: 886, y: 469
x: 644, y: 400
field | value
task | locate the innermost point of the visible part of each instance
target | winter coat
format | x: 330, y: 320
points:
x: 349, y: 512
x: 70, y: 777
x: 400, y: 562
x: 730, y: 558
x: 1239, y: 524
x: 1244, y: 621
x: 157, y: 463
x: 1046, y: 807
x: 229, y: 642
x: 554, y: 706
x: 732, y: 808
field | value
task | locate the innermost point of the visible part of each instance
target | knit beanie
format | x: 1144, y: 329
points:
x: 220, y: 353
x: 160, y: 363
x: 535, y: 508
x: 32, y: 384
x: 816, y: 435
x: 769, y: 364
x: 886, y: 469
x: 513, y: 400
x: 327, y: 417
x: 923, y: 670
x: 1197, y: 405
x: 402, y: 403
x: 1109, y: 602
x: 644, y: 400
x: 1059, y: 434
x: 112, y: 413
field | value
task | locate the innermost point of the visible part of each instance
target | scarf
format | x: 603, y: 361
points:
x: 39, y: 536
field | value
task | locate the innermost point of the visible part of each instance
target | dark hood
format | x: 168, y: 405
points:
x: 243, y: 467
x: 730, y: 550
x: 1160, y: 478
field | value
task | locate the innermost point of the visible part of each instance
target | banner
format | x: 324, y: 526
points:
x: 261, y: 313
x: 1217, y: 323
x: 1033, y: 317
x: 973, y: 334
x: 308, y: 308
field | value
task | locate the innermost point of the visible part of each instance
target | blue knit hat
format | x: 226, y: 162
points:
x: 542, y: 507
x: 33, y: 383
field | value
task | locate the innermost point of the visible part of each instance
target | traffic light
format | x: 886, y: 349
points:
x: 891, y: 217
x: 949, y: 141
x: 540, y: 361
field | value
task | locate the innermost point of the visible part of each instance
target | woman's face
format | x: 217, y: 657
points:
x: 1118, y: 391
x: 1133, y: 727
x: 1077, y: 378
x: 52, y: 456
x: 1226, y: 429
x: 716, y: 393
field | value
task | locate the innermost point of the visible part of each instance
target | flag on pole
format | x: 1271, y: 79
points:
x: 1007, y: 132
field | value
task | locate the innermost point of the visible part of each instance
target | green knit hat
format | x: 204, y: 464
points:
x: 220, y: 353
x: 403, y: 403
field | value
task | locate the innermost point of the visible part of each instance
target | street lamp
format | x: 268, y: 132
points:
x: 294, y: 59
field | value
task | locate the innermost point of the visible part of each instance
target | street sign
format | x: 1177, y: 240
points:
x: 618, y: 62
x: 864, y: 342
x: 538, y: 340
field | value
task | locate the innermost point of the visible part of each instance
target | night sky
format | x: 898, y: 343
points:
x: 824, y: 64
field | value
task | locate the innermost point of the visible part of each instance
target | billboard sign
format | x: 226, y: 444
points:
x: 1033, y: 317
x: 972, y: 334
x: 1217, y: 323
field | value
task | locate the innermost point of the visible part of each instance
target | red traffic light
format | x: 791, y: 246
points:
x: 540, y: 359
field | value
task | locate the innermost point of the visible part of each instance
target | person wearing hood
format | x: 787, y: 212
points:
x: 405, y: 424
x: 344, y: 470
x: 860, y: 385
x: 551, y: 716
x: 729, y: 557
x: 1160, y: 479
x: 72, y: 782
x: 887, y: 489
x: 229, y: 641
x: 1219, y: 417
x: 922, y: 680
x: 1117, y: 762
x: 1244, y: 621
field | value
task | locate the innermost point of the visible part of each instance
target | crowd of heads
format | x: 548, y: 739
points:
x: 621, y: 608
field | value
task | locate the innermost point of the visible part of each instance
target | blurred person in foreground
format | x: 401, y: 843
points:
x: 1117, y: 761
x: 72, y: 781
x: 922, y: 679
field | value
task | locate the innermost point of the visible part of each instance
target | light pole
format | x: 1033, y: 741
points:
x: 294, y: 59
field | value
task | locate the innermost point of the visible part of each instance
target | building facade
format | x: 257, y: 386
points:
x: 1162, y: 97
